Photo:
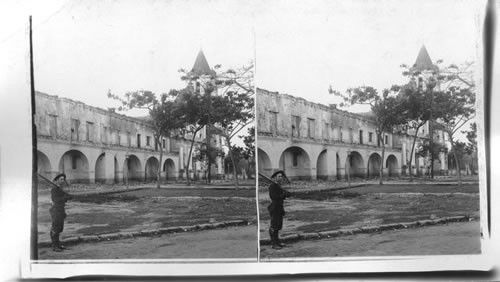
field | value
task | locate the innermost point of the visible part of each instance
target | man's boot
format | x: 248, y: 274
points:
x: 61, y: 246
x: 54, y: 237
x: 274, y: 242
x: 278, y: 242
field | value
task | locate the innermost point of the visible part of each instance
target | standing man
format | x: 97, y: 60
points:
x: 276, y: 209
x: 57, y: 211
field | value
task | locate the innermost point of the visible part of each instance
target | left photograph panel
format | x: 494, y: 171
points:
x: 144, y: 117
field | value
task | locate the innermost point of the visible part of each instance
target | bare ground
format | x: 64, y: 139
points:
x: 147, y: 209
x: 231, y: 243
x: 371, y: 205
x: 450, y: 239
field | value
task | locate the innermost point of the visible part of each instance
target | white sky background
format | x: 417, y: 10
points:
x: 305, y: 46
x: 83, y: 48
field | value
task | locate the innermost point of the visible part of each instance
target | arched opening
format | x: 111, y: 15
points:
x: 392, y: 166
x: 151, y: 169
x: 169, y: 169
x: 43, y: 164
x: 100, y: 169
x: 264, y: 162
x: 374, y: 164
x: 132, y: 168
x: 296, y: 163
x: 322, y: 166
x: 356, y: 168
x: 76, y: 167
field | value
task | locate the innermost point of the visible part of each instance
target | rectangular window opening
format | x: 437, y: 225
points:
x: 53, y: 125
x: 90, y: 131
x: 310, y: 128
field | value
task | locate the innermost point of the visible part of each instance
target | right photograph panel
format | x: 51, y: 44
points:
x: 368, y: 128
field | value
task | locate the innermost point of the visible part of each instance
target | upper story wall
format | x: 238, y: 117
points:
x: 292, y: 117
x: 67, y: 120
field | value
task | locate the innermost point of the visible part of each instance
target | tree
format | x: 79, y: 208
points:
x: 232, y: 112
x: 162, y: 115
x: 207, y: 155
x: 235, y: 153
x: 471, y: 147
x: 447, y: 79
x: 453, y: 109
x: 427, y: 152
x: 191, y: 109
x: 385, y: 109
x: 458, y: 75
x: 416, y: 110
x: 249, y: 141
x: 227, y: 98
x: 457, y: 154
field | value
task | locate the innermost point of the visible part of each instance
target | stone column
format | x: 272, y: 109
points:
x: 219, y: 165
x: 403, y: 160
x: 109, y: 172
x: 181, y: 159
x: 331, y: 164
x: 443, y: 160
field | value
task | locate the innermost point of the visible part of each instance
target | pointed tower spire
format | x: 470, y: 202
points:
x: 423, y: 61
x: 201, y: 66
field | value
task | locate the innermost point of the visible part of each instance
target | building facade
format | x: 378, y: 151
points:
x: 314, y: 141
x: 93, y: 145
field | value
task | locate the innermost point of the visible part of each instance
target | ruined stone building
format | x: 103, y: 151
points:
x: 90, y: 144
x: 313, y: 141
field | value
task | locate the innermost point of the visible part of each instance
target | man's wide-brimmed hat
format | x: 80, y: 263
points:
x: 277, y: 173
x: 59, y: 176
x: 283, y: 175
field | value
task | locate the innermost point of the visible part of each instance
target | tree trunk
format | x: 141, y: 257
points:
x: 457, y: 163
x: 381, y: 169
x: 158, y: 173
x: 235, y: 173
x: 126, y: 171
x: 412, y: 150
x: 381, y: 172
x: 186, y: 167
x: 349, y: 169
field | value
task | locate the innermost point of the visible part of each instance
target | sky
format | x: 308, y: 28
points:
x: 82, y: 49
x: 303, y: 47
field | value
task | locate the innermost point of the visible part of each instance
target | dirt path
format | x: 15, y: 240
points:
x: 231, y: 243
x: 456, y: 238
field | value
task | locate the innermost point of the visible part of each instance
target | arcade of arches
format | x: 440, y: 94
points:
x: 83, y: 164
x: 317, y: 161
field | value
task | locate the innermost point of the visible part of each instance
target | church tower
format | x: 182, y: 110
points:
x: 425, y: 75
x: 202, y: 79
x: 425, y: 69
x: 202, y: 74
